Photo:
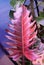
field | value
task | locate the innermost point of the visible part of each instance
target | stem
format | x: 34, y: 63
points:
x: 18, y: 63
x: 23, y: 62
x: 30, y: 63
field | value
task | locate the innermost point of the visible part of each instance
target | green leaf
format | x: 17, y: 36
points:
x: 22, y: 1
x: 13, y: 2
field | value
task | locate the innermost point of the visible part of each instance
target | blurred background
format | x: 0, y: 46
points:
x: 7, y: 8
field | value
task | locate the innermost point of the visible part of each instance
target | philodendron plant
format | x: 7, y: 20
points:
x: 22, y: 35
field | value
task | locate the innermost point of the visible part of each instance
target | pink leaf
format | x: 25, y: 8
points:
x: 24, y: 34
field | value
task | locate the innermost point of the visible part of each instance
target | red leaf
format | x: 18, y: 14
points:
x: 23, y: 36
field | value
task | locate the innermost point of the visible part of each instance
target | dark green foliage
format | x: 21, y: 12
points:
x: 40, y: 17
x: 11, y: 14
